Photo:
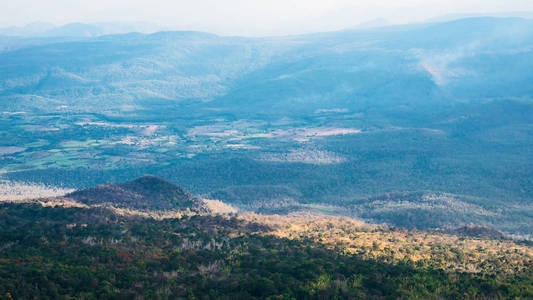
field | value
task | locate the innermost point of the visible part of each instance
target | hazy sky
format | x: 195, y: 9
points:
x: 246, y: 17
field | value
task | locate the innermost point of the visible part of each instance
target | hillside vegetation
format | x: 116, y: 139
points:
x: 59, y: 248
x: 91, y: 253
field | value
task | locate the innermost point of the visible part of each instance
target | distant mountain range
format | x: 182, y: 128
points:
x: 478, y: 58
x: 421, y: 125
x: 42, y: 29
x: 453, y: 17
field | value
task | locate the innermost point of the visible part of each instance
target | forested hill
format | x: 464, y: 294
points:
x: 60, y: 253
x: 58, y: 249
x: 147, y: 192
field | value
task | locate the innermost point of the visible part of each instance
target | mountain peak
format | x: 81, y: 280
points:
x: 147, y: 193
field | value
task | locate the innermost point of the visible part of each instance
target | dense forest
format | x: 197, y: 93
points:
x: 94, y: 253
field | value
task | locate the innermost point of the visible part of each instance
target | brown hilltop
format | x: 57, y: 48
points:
x: 145, y: 193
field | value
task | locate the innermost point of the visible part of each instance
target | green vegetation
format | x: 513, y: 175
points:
x: 56, y: 252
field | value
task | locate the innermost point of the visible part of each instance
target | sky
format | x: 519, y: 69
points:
x: 248, y: 17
